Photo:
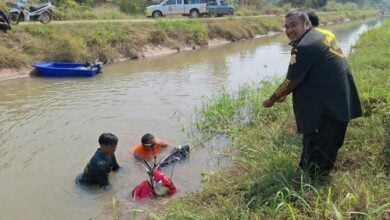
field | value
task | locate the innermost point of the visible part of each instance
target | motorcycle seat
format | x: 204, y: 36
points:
x: 37, y: 7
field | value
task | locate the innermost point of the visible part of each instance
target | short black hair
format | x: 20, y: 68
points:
x: 147, y: 138
x: 302, y: 15
x: 314, y: 20
x: 108, y: 139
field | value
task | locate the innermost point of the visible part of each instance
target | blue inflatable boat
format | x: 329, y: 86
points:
x: 56, y: 69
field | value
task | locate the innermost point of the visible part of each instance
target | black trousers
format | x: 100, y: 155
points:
x: 321, y: 146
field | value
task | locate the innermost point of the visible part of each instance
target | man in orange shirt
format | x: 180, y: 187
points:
x: 149, y: 147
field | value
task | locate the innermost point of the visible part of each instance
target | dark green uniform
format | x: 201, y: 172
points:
x: 325, y: 99
x: 96, y: 171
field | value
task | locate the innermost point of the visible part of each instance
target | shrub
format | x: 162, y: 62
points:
x: 133, y: 6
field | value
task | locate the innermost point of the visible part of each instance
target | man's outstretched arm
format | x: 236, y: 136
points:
x: 281, y: 92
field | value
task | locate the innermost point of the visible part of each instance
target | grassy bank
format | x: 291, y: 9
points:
x: 263, y: 183
x: 26, y: 44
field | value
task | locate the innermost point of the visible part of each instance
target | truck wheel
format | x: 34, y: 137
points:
x: 156, y: 14
x: 194, y: 13
x: 231, y: 12
x: 213, y: 14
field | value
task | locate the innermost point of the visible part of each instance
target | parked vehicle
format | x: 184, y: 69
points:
x: 41, y: 12
x: 218, y: 8
x: 57, y: 69
x: 4, y: 23
x: 191, y: 8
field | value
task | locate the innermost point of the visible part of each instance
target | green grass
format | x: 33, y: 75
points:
x: 262, y: 181
x: 373, y: 65
x: 3, y: 6
x: 189, y: 31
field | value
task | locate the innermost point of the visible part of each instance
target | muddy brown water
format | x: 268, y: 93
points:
x: 49, y: 126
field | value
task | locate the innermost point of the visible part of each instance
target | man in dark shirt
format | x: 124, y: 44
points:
x: 96, y: 171
x: 324, y: 94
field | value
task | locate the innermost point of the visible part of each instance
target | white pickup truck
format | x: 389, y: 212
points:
x: 192, y: 8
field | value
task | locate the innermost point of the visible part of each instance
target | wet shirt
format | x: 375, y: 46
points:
x: 326, y: 85
x: 96, y: 171
x: 147, y: 154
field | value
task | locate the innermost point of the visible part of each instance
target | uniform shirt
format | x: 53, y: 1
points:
x: 96, y: 171
x: 147, y: 154
x: 326, y: 85
x: 327, y: 33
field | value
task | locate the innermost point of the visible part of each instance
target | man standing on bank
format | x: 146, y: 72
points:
x: 325, y: 97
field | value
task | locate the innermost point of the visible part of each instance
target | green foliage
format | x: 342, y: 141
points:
x: 87, y: 9
x: 236, y: 29
x: 105, y: 41
x: 158, y: 37
x: 3, y: 7
x: 349, y: 6
x: 109, y: 11
x: 71, y: 10
x: 218, y: 116
x: 85, y: 2
x: 235, y: 3
x: 47, y: 31
x: 133, y: 6
x: 304, y: 3
x: 327, y: 5
x: 375, y: 66
x: 265, y: 9
x: 371, y: 68
x: 193, y: 32
x: 335, y: 6
x: 386, y: 147
x: 66, y: 48
x: 12, y: 58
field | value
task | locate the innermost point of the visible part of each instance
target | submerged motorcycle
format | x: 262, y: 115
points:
x: 159, y: 184
x: 41, y: 13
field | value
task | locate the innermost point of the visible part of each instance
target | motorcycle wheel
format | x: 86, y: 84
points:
x: 45, y: 17
x: 14, y: 18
